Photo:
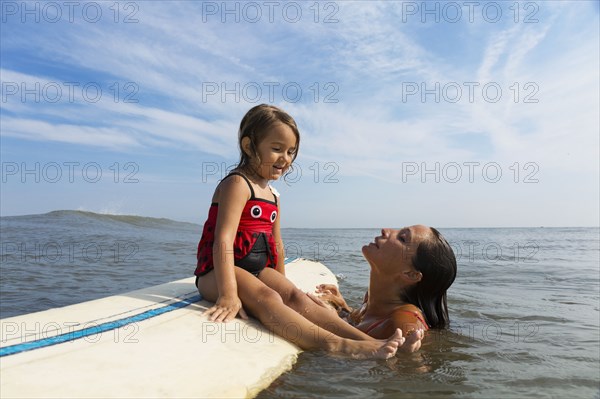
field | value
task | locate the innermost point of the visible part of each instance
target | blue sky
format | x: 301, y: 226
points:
x: 451, y: 114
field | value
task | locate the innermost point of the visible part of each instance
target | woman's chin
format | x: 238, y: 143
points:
x: 365, y: 250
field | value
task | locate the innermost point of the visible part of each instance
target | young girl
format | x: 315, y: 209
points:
x: 240, y: 255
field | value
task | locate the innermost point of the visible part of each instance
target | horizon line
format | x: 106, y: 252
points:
x: 294, y: 227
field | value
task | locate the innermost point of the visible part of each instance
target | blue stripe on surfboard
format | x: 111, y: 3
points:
x: 99, y: 329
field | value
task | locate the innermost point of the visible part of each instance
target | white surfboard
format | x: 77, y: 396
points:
x: 153, y: 342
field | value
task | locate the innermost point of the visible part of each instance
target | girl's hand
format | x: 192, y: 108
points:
x: 226, y: 309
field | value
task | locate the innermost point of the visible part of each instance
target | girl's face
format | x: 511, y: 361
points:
x: 393, y: 250
x: 276, y: 152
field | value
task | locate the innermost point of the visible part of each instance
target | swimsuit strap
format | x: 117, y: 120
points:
x: 380, y: 322
x: 274, y: 192
x: 375, y: 325
x: 416, y: 314
x: 252, y: 195
x: 247, y: 181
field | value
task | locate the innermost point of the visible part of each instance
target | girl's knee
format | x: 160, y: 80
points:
x: 207, y: 288
x: 295, y: 298
x: 266, y: 295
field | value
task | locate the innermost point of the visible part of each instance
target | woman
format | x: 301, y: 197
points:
x: 411, y: 270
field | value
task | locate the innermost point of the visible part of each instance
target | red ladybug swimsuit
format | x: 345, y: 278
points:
x: 254, y: 245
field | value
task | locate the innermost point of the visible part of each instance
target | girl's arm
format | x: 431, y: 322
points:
x: 232, y: 197
x: 279, y: 242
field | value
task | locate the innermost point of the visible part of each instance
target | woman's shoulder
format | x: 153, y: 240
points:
x: 408, y: 317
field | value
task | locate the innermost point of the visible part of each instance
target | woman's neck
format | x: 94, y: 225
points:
x: 384, y: 295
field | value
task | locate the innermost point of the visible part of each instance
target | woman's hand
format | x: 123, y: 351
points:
x: 328, y: 289
x: 330, y: 293
x: 226, y: 308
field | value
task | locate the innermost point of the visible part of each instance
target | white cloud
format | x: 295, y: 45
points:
x: 28, y: 129
x: 368, y: 54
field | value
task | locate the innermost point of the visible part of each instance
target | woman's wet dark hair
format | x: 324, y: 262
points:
x: 436, y: 261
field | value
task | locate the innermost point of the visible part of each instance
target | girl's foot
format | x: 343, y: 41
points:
x: 377, y: 349
x: 412, y: 341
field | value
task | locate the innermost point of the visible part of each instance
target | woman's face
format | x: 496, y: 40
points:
x: 393, y: 250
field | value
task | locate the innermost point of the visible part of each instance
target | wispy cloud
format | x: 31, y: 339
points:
x: 170, y: 53
x: 109, y: 138
x: 368, y: 56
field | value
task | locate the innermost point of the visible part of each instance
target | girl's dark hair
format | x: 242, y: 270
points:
x: 436, y: 262
x: 255, y: 125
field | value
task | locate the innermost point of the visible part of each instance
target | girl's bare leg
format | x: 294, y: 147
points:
x: 301, y: 303
x: 266, y: 305
x: 324, y: 317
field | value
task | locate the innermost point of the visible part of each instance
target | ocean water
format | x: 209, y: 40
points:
x: 524, y: 309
